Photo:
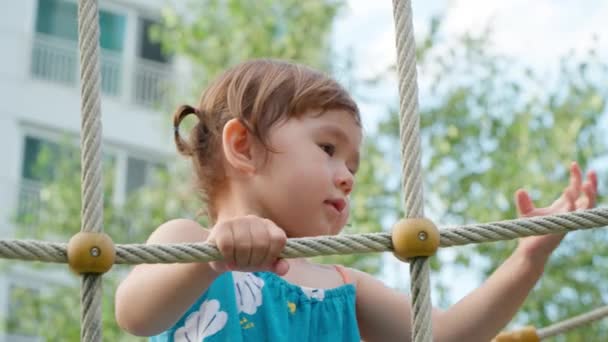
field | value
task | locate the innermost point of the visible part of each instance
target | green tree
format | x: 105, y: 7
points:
x: 57, y: 217
x: 215, y: 34
x: 490, y: 126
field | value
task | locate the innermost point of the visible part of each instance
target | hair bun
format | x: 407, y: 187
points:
x: 183, y: 111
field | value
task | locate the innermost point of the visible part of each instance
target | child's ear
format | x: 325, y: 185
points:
x: 238, y: 146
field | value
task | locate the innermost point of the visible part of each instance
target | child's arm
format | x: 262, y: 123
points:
x: 384, y: 314
x: 154, y: 296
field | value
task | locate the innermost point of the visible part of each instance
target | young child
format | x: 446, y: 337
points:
x: 275, y: 151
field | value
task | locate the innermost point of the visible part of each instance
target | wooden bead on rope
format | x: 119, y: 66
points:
x: 90, y: 252
x: 525, y: 334
x: 414, y: 237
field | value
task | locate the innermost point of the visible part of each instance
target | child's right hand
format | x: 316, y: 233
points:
x: 249, y: 244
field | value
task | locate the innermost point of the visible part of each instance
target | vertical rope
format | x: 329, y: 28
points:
x: 90, y: 143
x: 411, y: 176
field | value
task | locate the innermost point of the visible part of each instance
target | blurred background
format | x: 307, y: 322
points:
x: 510, y: 93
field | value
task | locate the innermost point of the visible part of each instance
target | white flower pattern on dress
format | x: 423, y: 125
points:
x: 313, y: 293
x: 203, y: 323
x: 248, y: 290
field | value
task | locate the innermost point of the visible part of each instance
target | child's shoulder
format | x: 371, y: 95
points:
x: 179, y: 230
x: 345, y: 275
x: 360, y: 278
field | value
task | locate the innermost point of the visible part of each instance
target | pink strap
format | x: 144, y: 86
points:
x: 343, y: 273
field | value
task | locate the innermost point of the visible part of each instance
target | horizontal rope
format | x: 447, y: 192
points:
x: 32, y: 250
x: 572, y: 323
x: 512, y: 229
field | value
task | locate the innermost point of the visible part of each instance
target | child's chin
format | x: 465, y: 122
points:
x: 337, y: 229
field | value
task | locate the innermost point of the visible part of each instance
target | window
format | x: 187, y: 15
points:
x: 42, y: 160
x: 151, y: 70
x: 45, y: 162
x: 54, y: 54
x: 149, y: 49
x: 112, y: 35
x: 58, y: 18
x: 111, y: 40
x: 37, y: 157
x: 35, y: 170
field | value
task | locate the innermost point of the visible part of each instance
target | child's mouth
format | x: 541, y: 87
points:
x: 338, y: 204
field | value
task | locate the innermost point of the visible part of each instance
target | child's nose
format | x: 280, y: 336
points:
x: 344, y: 181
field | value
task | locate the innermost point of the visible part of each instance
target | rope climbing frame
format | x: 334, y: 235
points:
x: 91, y: 253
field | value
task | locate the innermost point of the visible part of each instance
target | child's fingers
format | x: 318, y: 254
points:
x: 280, y: 267
x: 588, y: 200
x: 523, y: 202
x: 591, y: 194
x: 224, y: 240
x: 576, y: 179
x: 570, y: 196
x: 260, y: 244
x: 592, y: 177
x: 278, y: 239
x: 573, y: 191
x: 242, y: 244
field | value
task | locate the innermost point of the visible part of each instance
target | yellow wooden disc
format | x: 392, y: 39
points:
x: 525, y: 334
x: 90, y: 252
x: 415, y: 237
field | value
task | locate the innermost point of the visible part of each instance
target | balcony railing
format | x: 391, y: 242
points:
x: 111, y: 71
x: 55, y: 59
x: 151, y: 83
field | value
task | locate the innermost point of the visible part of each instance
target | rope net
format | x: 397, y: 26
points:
x: 92, y: 200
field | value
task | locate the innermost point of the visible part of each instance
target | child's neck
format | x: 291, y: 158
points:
x: 230, y: 206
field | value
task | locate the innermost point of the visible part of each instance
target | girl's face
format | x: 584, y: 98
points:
x: 304, y: 185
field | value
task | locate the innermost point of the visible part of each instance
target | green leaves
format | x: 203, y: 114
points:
x: 216, y: 34
x: 491, y: 126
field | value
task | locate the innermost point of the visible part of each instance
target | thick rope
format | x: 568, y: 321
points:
x: 512, y: 229
x: 90, y: 307
x: 32, y: 250
x: 411, y: 175
x: 91, y: 179
x: 572, y: 323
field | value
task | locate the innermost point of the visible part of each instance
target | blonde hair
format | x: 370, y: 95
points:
x: 259, y: 93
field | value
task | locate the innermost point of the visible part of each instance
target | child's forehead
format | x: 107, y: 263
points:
x: 339, y: 123
x: 345, y: 119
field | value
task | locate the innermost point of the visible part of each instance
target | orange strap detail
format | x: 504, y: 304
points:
x: 343, y: 273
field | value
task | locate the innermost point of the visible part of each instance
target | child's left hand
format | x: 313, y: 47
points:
x: 578, y: 195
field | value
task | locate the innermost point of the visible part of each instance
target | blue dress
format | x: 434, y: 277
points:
x: 261, y: 306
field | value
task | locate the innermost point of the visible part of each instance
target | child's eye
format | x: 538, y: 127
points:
x: 328, y: 148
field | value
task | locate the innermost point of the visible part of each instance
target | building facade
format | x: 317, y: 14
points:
x: 40, y: 110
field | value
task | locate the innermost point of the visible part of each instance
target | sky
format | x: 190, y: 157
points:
x: 535, y: 33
